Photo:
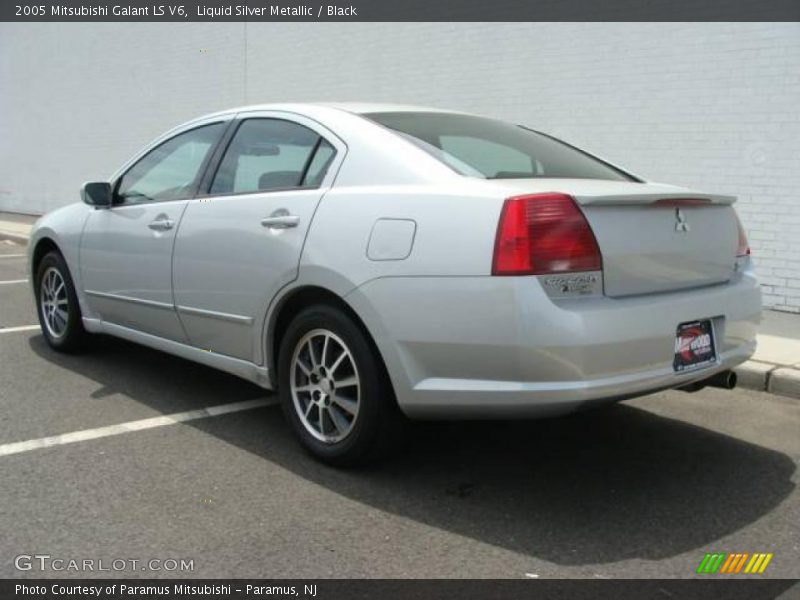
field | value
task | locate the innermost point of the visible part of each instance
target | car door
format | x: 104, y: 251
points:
x: 241, y: 242
x: 126, y: 250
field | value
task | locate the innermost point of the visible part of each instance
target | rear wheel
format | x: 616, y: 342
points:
x: 334, y: 390
x: 57, y: 305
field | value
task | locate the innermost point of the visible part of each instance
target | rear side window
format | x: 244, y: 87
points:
x: 171, y: 170
x: 271, y: 154
x: 481, y: 147
x: 318, y: 167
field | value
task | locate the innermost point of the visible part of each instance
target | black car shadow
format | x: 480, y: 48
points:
x: 595, y: 487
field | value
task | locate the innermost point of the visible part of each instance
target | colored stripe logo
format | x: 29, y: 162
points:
x: 734, y: 563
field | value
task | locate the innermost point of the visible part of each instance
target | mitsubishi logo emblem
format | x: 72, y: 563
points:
x: 680, y: 221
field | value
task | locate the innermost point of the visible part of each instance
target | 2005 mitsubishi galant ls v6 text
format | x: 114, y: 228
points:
x: 377, y: 262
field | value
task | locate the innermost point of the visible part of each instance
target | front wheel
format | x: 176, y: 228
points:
x: 334, y: 390
x: 57, y: 305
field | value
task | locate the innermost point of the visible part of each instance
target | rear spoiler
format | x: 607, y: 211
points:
x: 656, y: 199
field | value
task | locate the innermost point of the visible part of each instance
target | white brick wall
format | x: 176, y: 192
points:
x: 714, y: 106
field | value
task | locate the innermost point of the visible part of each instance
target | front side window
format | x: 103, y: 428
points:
x: 272, y: 154
x: 171, y: 170
x: 481, y: 147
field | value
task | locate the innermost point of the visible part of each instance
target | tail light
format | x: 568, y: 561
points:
x: 742, y: 248
x: 544, y: 233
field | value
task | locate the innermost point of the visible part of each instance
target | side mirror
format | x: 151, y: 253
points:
x: 97, y: 193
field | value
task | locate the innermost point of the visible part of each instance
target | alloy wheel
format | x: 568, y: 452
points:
x: 325, y: 385
x: 54, y: 302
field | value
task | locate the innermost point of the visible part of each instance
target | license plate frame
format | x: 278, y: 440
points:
x: 695, y: 346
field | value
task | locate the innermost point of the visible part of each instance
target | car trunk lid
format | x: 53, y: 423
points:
x: 653, y: 238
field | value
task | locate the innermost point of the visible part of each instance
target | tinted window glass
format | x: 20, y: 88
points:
x: 170, y: 171
x: 481, y: 147
x: 318, y: 167
x: 265, y: 154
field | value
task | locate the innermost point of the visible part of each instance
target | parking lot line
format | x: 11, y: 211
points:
x: 10, y: 281
x: 21, y: 328
x: 142, y: 424
x: 12, y: 256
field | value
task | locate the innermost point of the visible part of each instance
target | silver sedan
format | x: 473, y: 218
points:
x: 375, y: 263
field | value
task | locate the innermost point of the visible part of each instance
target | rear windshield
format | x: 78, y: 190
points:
x: 481, y: 147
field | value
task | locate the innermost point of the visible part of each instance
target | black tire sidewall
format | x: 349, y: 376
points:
x: 74, y: 335
x: 376, y: 395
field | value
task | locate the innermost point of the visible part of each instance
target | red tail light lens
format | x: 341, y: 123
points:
x: 743, y: 247
x: 544, y: 233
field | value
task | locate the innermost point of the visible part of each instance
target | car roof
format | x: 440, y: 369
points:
x: 357, y: 108
x: 372, y: 107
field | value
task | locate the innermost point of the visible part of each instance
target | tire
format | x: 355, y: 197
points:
x: 53, y: 281
x: 338, y: 421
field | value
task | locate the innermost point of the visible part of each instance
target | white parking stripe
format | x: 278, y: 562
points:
x: 10, y: 281
x: 22, y: 328
x: 101, y: 432
x: 12, y: 255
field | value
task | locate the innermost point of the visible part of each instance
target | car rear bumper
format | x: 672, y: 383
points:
x: 480, y: 347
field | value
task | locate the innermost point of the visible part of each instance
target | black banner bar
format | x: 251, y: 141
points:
x: 400, y: 10
x: 338, y: 589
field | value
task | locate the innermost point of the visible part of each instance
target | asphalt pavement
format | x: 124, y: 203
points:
x: 641, y: 489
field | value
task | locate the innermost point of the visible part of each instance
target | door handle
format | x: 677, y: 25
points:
x: 162, y: 224
x: 281, y: 221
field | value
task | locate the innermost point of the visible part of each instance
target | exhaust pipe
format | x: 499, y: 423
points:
x: 725, y: 380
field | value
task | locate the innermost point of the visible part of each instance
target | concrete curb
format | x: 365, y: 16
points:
x: 14, y: 237
x: 767, y: 377
x: 754, y: 375
x: 16, y: 227
x: 785, y: 381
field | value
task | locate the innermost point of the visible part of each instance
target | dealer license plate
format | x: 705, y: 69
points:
x: 694, y: 346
